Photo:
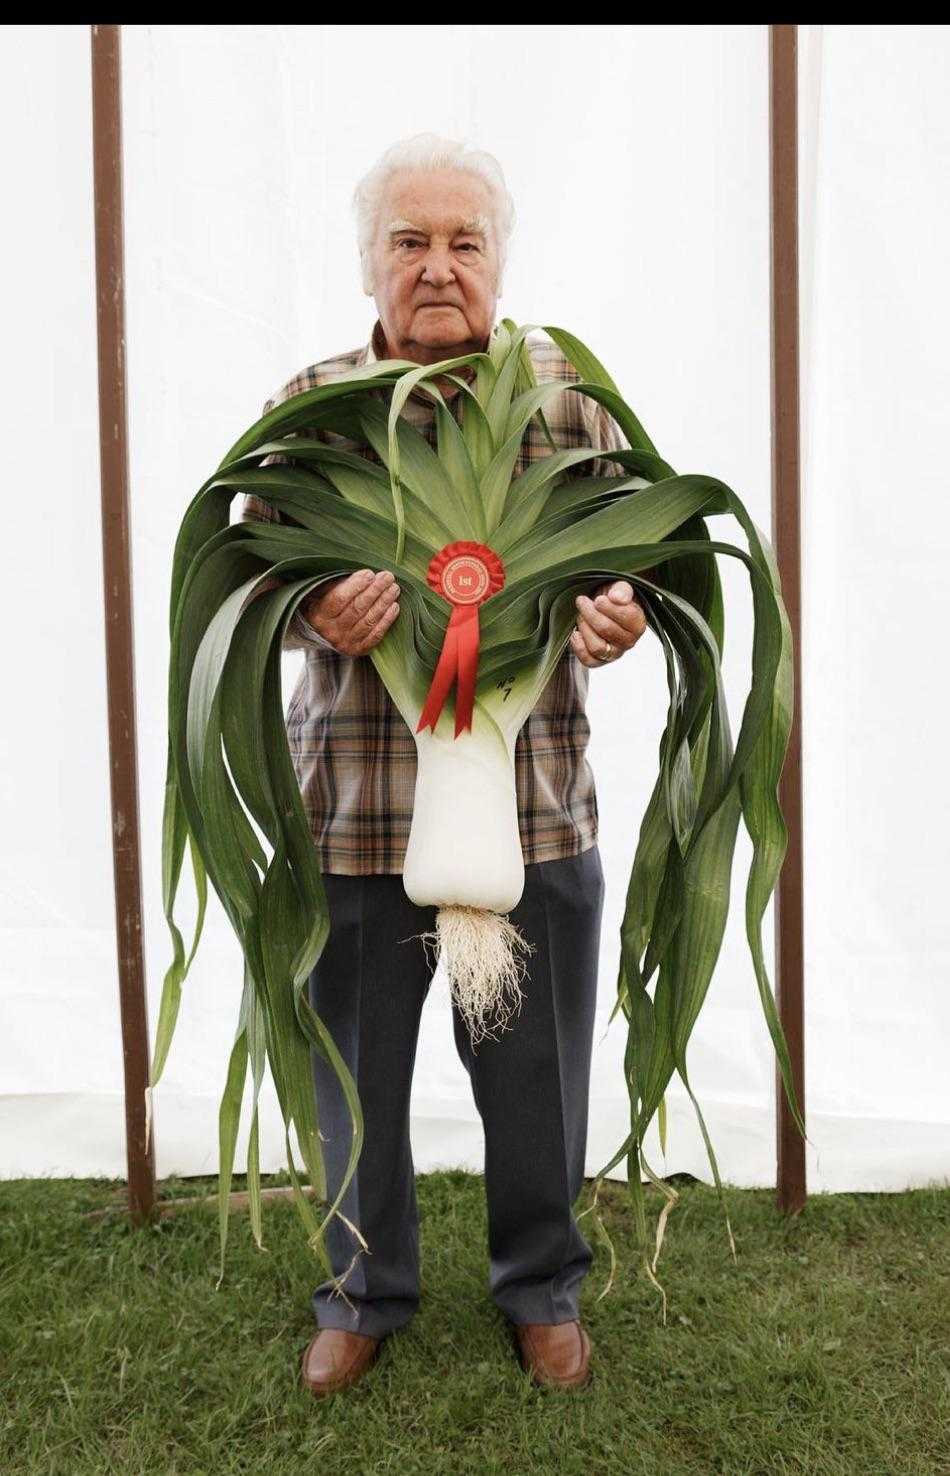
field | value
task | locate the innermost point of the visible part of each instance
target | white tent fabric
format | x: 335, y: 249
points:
x: 638, y: 160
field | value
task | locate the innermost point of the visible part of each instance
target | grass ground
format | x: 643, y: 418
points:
x: 826, y: 1349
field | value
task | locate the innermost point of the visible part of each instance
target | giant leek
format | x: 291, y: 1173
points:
x: 538, y: 539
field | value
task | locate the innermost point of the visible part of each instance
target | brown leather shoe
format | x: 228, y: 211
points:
x: 334, y: 1359
x: 555, y: 1352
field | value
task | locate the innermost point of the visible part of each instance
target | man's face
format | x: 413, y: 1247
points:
x: 435, y: 264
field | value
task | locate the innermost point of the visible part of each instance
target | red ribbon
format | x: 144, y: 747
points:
x: 466, y: 574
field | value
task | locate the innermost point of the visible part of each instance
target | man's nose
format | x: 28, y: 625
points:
x: 438, y: 268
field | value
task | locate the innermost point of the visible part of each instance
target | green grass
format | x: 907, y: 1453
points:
x: 826, y: 1349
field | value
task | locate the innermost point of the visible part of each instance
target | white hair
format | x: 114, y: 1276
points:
x: 429, y: 151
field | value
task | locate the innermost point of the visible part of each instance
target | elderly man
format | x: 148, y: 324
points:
x: 434, y: 220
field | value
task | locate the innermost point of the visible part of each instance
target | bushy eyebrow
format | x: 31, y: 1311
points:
x: 476, y: 225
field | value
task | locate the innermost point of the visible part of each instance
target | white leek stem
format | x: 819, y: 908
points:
x: 464, y: 857
x: 464, y: 845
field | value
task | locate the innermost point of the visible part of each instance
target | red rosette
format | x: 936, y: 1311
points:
x: 465, y: 574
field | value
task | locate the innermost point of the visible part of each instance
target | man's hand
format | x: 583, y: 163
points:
x: 607, y: 625
x: 355, y: 612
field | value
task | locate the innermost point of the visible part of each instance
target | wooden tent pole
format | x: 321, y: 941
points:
x: 117, y: 591
x: 786, y: 523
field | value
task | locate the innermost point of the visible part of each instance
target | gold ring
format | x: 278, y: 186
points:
x: 608, y: 653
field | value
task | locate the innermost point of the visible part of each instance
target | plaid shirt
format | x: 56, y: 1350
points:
x: 353, y: 754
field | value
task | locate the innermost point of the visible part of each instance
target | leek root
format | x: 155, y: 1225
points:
x: 484, y: 960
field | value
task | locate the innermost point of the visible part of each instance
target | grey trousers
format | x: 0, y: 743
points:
x: 530, y: 1085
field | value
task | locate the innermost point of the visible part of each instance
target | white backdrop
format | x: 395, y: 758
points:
x: 638, y: 161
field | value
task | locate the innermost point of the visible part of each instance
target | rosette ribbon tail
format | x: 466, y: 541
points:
x: 458, y: 661
x: 465, y: 574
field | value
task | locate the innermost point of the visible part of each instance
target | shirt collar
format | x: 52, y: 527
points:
x: 376, y: 348
x: 375, y: 351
